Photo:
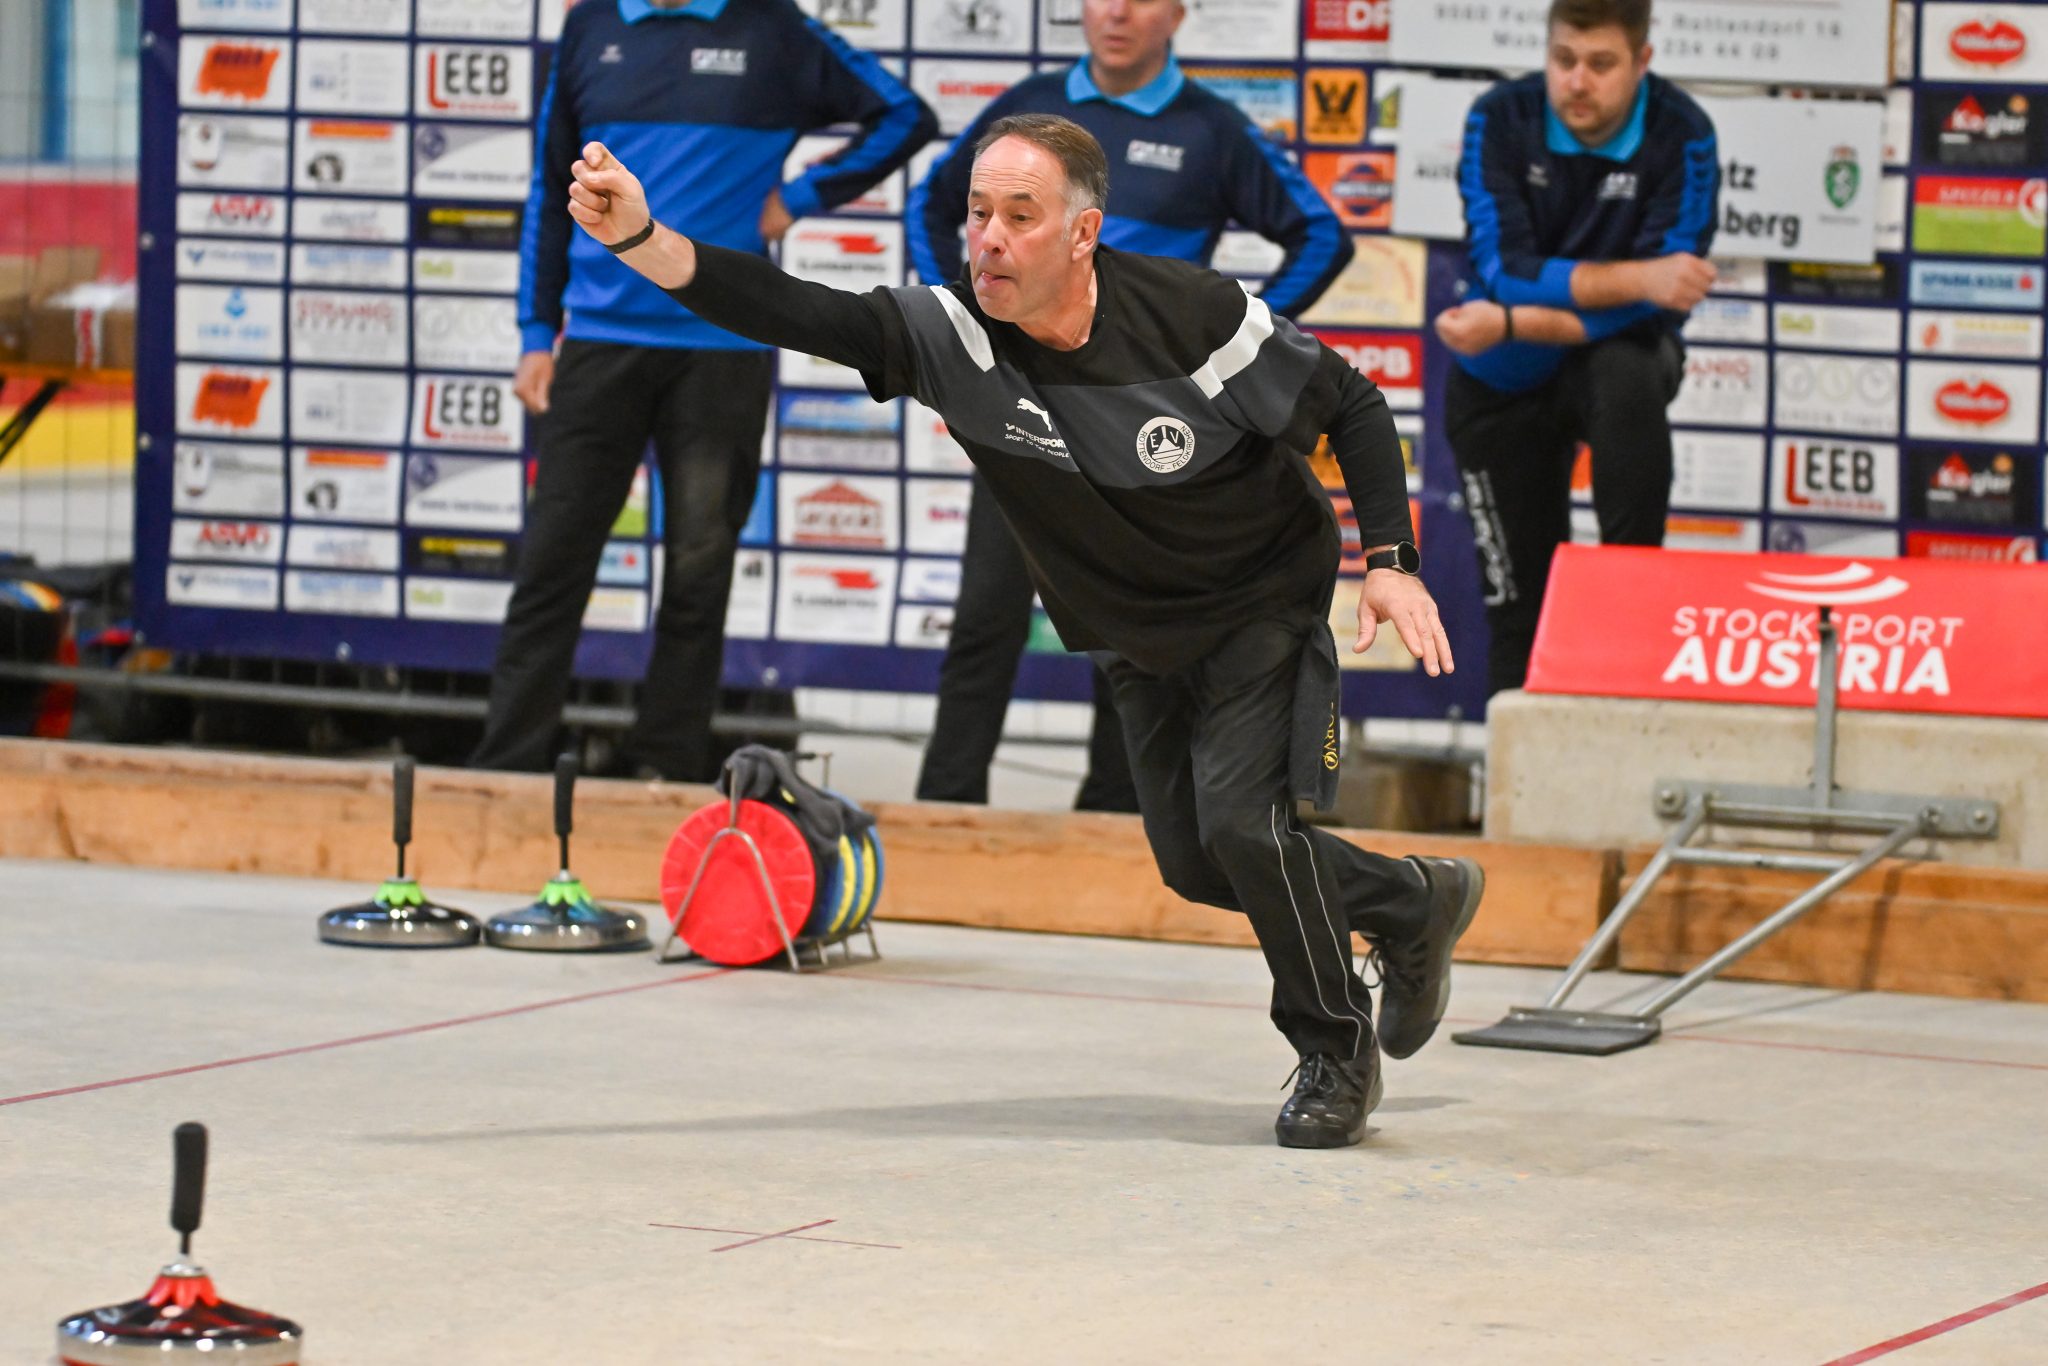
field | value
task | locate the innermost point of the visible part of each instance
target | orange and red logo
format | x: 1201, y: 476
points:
x: 230, y: 400
x: 236, y: 71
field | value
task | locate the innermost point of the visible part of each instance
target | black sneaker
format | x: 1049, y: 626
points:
x: 1331, y: 1099
x: 1416, y: 972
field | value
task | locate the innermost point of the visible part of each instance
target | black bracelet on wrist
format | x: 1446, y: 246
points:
x: 1507, y: 315
x: 619, y: 248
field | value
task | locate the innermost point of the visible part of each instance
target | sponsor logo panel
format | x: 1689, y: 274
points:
x: 1267, y: 95
x: 473, y: 81
x: 1825, y: 328
x: 455, y: 332
x: 466, y: 412
x: 1981, y: 215
x: 471, y: 492
x: 237, y: 542
x: 1971, y: 42
x: 348, y: 220
x: 231, y: 215
x: 1983, y: 129
x: 1824, y: 476
x: 930, y: 580
x: 958, y: 90
x: 459, y: 161
x: 338, y: 77
x: 233, y: 151
x: 320, y: 263
x: 471, y: 556
x: 330, y: 485
x: 354, y: 16
x: 1961, y: 545
x: 230, y: 400
x: 835, y: 599
x: 1392, y: 360
x: 1836, y: 393
x: 1717, y: 470
x: 936, y: 514
x: 1994, y: 336
x: 339, y: 547
x: 474, y: 18
x: 848, y: 512
x: 243, y: 262
x: 429, y: 598
x: 348, y: 406
x: 1724, y: 387
x: 1728, y: 320
x: 343, y: 327
x: 847, y: 431
x: 752, y: 597
x: 928, y: 448
x: 1831, y: 538
x: 352, y: 595
x: 1381, y: 287
x: 1961, y: 484
x: 1966, y: 401
x: 234, y: 73
x: 229, y: 321
x: 1333, y: 105
x: 1968, y: 284
x: 348, y: 156
x: 212, y: 585
x: 923, y: 626
x: 224, y: 479
x: 616, y: 609
x: 485, y: 272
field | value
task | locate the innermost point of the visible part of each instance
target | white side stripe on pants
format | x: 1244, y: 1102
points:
x: 1357, y: 1024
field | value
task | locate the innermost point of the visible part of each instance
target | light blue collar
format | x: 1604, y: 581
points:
x: 1148, y: 99
x: 1620, y: 147
x: 633, y: 11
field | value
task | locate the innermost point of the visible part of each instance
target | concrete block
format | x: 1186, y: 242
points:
x: 1580, y: 770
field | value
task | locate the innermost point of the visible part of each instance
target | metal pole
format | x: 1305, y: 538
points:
x: 1610, y: 928
x: 1824, y: 715
x: 1799, y: 906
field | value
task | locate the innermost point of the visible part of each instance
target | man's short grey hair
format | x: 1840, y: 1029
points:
x: 1074, y: 147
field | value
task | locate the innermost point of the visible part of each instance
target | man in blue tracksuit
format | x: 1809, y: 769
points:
x: 1183, y: 163
x: 1589, y: 192
x: 711, y: 95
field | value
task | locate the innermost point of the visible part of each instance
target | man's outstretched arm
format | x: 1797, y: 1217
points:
x: 736, y: 290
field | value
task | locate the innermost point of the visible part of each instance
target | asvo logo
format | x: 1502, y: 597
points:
x: 1837, y: 478
x: 244, y: 542
x: 466, y: 413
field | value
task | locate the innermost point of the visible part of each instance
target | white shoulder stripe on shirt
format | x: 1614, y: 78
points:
x: 1235, y: 354
x: 969, y: 331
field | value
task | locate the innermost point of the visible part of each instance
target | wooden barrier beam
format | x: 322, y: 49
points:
x: 1935, y: 928
x: 1066, y: 873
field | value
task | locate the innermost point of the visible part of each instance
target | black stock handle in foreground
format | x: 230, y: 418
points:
x: 188, y: 1181
x: 401, y: 802
x: 565, y: 795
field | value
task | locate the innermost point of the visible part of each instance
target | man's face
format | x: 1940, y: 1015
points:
x: 1126, y: 35
x: 1592, y: 75
x: 1020, y: 246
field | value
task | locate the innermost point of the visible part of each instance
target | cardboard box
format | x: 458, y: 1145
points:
x: 27, y: 284
x: 70, y: 329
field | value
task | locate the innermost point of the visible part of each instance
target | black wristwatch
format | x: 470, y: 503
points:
x: 1402, y: 556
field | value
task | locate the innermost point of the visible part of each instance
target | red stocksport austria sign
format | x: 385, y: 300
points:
x: 1919, y: 636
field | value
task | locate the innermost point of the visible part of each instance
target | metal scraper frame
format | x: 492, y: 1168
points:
x: 1896, y: 819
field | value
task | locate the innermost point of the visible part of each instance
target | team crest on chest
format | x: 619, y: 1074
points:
x: 1165, y: 444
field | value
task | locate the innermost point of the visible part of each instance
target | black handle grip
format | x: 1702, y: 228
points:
x: 188, y: 1178
x: 565, y: 795
x: 401, y: 800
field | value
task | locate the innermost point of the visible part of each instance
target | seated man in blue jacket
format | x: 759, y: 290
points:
x: 1183, y: 164
x: 710, y: 94
x: 1589, y: 192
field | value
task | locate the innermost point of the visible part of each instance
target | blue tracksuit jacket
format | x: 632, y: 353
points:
x: 1538, y: 201
x: 1183, y: 162
x: 702, y: 103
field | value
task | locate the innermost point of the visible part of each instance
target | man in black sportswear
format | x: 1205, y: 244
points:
x: 1140, y: 422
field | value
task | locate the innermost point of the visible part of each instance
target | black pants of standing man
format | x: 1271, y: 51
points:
x: 991, y: 625
x: 704, y: 412
x: 1515, y: 454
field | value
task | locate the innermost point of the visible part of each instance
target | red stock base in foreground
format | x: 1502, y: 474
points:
x: 182, y: 1318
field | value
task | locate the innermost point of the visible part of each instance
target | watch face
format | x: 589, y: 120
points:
x: 1407, y: 558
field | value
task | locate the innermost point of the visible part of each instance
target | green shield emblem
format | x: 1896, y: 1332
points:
x: 1843, y: 176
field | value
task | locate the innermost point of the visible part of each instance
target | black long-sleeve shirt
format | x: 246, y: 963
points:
x: 1153, y: 475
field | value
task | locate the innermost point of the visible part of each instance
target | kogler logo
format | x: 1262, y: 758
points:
x: 1994, y: 45
x: 1977, y: 404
